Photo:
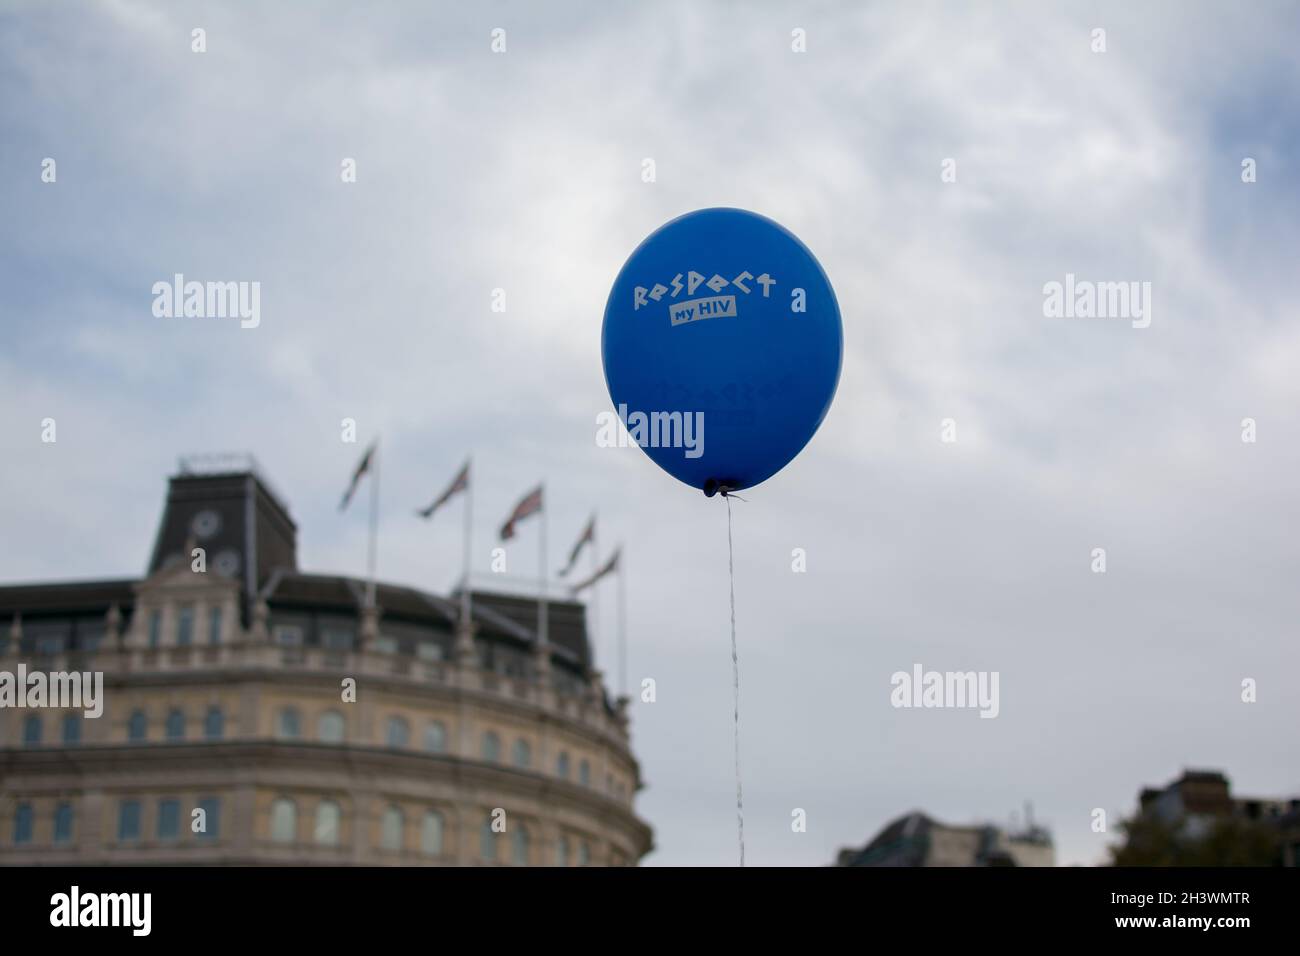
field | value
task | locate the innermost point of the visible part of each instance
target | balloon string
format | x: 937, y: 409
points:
x: 735, y: 680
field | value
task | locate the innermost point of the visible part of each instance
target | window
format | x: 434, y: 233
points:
x: 330, y: 728
x: 519, y: 846
x: 584, y: 853
x: 523, y: 753
x: 32, y: 730
x: 336, y: 639
x: 431, y: 834
x: 584, y: 774
x: 214, y: 625
x: 399, y: 732
x: 487, y: 841
x: 185, y: 626
x: 24, y: 822
x: 155, y: 628
x: 390, y: 835
x: 72, y: 728
x: 284, y: 820
x: 435, y: 737
x: 176, y: 725
x: 89, y: 636
x: 428, y: 651
x: 128, y: 820
x: 169, y: 819
x: 288, y: 635
x: 214, y: 723
x: 562, y: 852
x: 63, y: 823
x: 327, y: 823
x: 491, y: 746
x: 385, y: 644
x: 137, y: 726
x: 288, y: 727
x: 49, y: 645
x: 562, y: 764
x: 211, y: 807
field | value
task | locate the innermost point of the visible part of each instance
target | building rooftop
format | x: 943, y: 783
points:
x: 224, y: 504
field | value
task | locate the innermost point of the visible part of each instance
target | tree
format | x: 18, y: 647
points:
x: 1230, y: 841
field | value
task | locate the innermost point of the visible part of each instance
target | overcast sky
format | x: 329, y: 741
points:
x: 522, y: 171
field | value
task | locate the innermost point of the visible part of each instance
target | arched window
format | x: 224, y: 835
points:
x: 24, y: 822
x: 487, y: 841
x: 431, y: 833
x: 185, y: 626
x: 214, y: 723
x: 519, y: 846
x: 214, y: 625
x: 491, y: 747
x: 175, y: 725
x: 399, y: 732
x: 562, y: 764
x: 211, y: 807
x: 584, y: 774
x: 169, y: 819
x: 63, y: 823
x: 289, y: 725
x: 331, y: 728
x: 435, y: 737
x: 328, y: 816
x: 32, y: 730
x: 523, y: 753
x: 284, y: 820
x: 128, y: 820
x: 137, y: 727
x: 72, y: 728
x: 390, y: 833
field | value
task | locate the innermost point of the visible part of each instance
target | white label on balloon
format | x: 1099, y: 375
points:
x: 713, y: 307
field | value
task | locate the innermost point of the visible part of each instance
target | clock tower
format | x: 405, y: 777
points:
x: 222, y: 504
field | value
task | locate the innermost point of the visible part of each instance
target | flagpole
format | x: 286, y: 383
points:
x: 469, y: 531
x: 593, y: 625
x: 622, y: 627
x: 542, y: 637
x: 373, y: 549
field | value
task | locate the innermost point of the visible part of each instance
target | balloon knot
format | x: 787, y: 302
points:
x: 726, y: 487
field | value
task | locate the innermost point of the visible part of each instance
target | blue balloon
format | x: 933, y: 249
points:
x: 722, y: 345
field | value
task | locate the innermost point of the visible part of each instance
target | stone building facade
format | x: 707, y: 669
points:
x: 256, y: 714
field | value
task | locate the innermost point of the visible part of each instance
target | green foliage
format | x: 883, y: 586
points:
x: 1230, y: 841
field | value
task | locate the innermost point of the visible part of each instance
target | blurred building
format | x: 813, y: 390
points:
x: 227, y: 693
x: 918, y: 840
x: 1199, y: 807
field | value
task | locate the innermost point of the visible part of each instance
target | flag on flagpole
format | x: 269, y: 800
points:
x: 588, y: 536
x: 362, y: 468
x: 458, y: 484
x: 530, y: 504
x: 608, y: 567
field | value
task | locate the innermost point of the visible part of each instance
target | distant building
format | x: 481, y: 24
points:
x: 918, y: 840
x: 1199, y: 800
x: 226, y: 707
